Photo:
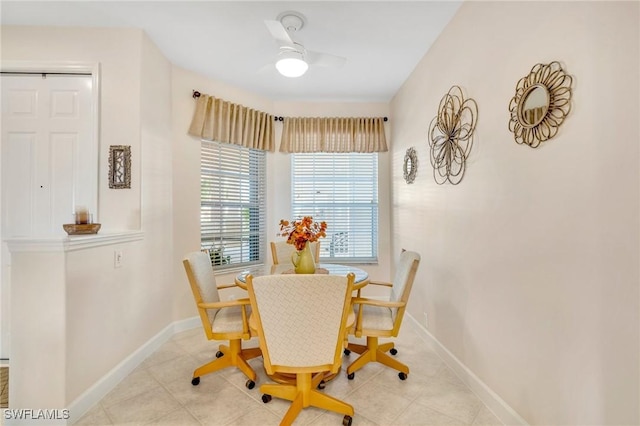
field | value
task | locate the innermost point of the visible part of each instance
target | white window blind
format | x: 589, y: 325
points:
x: 341, y: 189
x: 232, y: 211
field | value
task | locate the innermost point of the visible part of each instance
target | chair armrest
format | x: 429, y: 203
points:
x: 227, y: 304
x: 380, y: 283
x: 374, y: 302
x: 357, y: 329
x: 223, y: 286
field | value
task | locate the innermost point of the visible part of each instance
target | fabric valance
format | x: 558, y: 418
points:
x: 222, y: 121
x: 333, y: 134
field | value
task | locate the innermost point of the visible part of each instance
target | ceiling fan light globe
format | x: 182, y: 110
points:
x: 291, y: 65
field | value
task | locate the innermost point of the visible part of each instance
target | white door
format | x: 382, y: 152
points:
x: 49, y: 162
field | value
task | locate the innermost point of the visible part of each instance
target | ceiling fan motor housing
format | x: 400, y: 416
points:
x: 292, y: 21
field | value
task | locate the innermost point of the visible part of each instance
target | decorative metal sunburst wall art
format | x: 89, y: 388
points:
x: 540, y: 105
x: 451, y: 136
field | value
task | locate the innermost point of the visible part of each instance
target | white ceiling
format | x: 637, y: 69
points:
x: 229, y: 42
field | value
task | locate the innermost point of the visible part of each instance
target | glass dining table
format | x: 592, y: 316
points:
x: 361, y: 276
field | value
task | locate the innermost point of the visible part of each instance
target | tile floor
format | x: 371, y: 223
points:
x: 159, y: 392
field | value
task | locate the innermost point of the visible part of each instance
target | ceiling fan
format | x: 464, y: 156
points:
x: 293, y: 59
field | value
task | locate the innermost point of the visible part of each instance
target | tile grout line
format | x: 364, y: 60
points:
x: 180, y: 404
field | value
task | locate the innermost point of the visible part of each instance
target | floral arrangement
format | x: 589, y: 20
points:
x: 301, y: 231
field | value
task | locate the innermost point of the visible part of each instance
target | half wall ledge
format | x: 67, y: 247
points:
x: 71, y: 243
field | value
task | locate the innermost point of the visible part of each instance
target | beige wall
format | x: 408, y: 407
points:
x: 109, y: 313
x: 38, y: 320
x: 530, y: 267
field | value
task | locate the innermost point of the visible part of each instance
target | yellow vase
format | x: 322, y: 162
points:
x: 303, y: 261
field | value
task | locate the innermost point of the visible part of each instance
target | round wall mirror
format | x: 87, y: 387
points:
x: 534, y: 105
x: 540, y: 105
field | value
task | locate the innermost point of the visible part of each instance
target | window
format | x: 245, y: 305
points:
x: 232, y: 210
x: 341, y: 189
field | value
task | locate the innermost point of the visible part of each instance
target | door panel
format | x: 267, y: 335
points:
x: 20, y: 103
x: 63, y: 152
x: 20, y: 148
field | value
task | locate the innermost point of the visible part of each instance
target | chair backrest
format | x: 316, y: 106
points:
x: 403, y: 279
x: 197, y: 265
x: 301, y: 320
x: 281, y: 251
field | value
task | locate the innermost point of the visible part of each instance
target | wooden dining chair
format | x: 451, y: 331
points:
x: 281, y: 251
x: 301, y: 322
x: 220, y: 320
x: 382, y: 318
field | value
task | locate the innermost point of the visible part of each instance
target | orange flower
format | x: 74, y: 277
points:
x: 302, y: 231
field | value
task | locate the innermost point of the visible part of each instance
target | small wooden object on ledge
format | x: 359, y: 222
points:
x: 81, y: 228
x: 84, y: 223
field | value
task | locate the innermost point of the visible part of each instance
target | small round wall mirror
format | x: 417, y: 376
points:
x: 540, y: 105
x: 534, y: 105
x: 410, y: 165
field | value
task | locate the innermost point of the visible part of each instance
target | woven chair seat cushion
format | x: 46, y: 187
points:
x: 376, y: 317
x: 229, y: 320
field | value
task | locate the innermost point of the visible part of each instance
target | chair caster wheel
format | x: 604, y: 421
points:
x: 322, y: 385
x: 250, y: 384
x: 402, y: 376
x: 351, y: 376
x: 347, y: 352
x: 346, y: 421
x: 219, y: 354
x: 266, y: 398
x: 393, y: 351
x: 195, y: 381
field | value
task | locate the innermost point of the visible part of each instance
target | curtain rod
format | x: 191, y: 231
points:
x: 196, y: 94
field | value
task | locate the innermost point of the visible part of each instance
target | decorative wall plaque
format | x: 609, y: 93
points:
x: 119, y: 166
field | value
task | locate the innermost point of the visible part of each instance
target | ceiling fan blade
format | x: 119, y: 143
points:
x: 266, y: 68
x: 279, y: 32
x: 325, y: 59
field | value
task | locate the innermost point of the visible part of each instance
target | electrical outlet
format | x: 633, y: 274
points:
x: 426, y: 320
x: 117, y: 259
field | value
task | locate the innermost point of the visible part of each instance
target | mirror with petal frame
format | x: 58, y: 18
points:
x: 540, y: 105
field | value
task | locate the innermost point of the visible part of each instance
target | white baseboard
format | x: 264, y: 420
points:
x: 497, y: 405
x: 186, y: 324
x: 102, y: 387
